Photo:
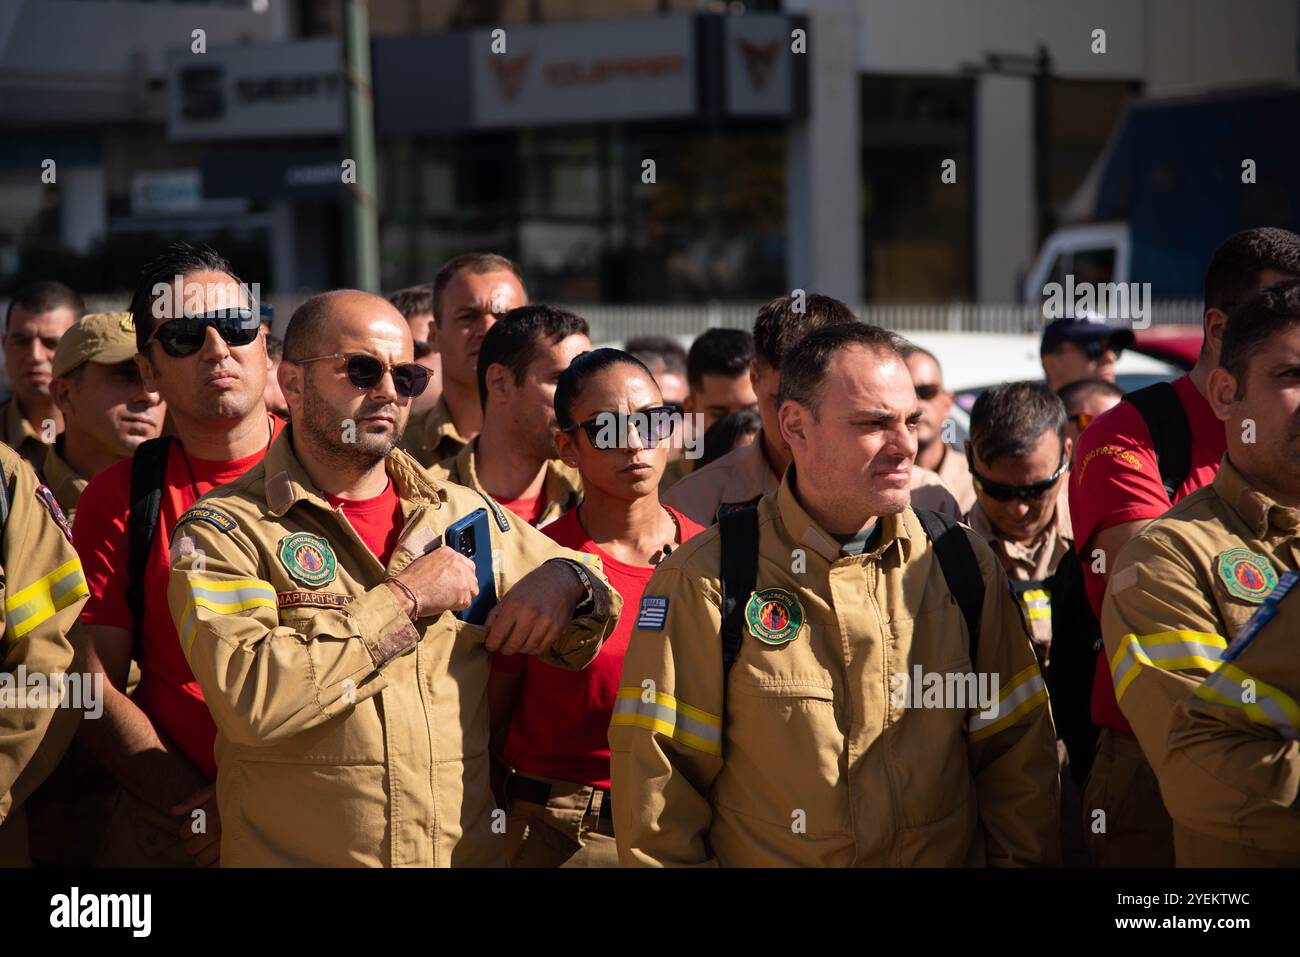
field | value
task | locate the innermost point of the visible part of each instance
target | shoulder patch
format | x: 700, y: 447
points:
x: 774, y: 615
x: 206, y: 513
x: 46, y: 498
x: 653, y: 613
x: 1246, y: 575
x: 308, y: 559
x: 1262, y: 616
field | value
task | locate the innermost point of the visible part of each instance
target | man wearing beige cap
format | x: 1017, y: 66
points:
x: 106, y: 409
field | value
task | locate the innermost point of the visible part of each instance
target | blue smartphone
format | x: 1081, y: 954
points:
x: 471, y: 537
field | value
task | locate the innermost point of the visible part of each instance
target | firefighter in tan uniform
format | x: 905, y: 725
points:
x: 432, y: 436
x: 1233, y: 759
x: 1190, y: 580
x: 43, y: 591
x: 810, y: 750
x: 561, y: 490
x: 350, y: 704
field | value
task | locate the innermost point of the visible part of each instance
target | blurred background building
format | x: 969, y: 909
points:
x: 773, y: 169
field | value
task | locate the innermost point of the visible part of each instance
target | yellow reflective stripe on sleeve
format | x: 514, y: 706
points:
x: 1166, y: 650
x: 1037, y: 603
x: 224, y: 598
x: 1262, y: 703
x: 1025, y: 692
x: 666, y: 715
x: 29, y: 607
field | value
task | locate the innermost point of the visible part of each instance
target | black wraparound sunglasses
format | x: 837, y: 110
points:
x: 1007, y: 493
x: 410, y: 379
x: 185, y: 335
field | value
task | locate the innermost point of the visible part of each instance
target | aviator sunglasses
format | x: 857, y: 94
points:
x: 652, y: 427
x: 410, y: 379
x: 184, y: 336
x: 1007, y: 493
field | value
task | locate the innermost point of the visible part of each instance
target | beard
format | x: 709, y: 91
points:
x: 338, y: 436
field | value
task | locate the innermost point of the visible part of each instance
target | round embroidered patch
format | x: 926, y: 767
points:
x: 774, y: 615
x: 1246, y: 574
x: 308, y: 558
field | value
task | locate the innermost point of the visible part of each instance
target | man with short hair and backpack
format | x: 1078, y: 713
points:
x: 834, y: 678
x: 203, y: 349
x: 1131, y: 464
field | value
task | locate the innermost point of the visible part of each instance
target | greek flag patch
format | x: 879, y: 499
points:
x: 653, y: 613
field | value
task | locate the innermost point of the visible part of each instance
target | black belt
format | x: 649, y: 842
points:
x: 539, y: 792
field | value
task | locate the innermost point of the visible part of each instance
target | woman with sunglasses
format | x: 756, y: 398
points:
x: 614, y: 429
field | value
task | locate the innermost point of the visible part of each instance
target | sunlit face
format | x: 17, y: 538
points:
x: 1022, y: 520
x: 107, y: 406
x: 1093, y: 405
x: 719, y: 395
x: 1263, y: 421
x: 219, y: 381
x: 532, y: 402
x: 765, y: 381
x: 1069, y: 362
x: 29, y: 343
x: 632, y: 470
x: 856, y: 451
x: 935, y: 403
x: 471, y: 304
x: 356, y: 427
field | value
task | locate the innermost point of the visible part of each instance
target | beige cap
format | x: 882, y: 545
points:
x: 103, y: 337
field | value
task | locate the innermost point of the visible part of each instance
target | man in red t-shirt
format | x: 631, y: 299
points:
x: 555, y: 723
x: 1115, y: 490
x: 202, y: 348
x: 514, y: 459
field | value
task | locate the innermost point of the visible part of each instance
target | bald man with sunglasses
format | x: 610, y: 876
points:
x: 201, y: 347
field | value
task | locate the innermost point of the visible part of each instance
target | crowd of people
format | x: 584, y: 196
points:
x: 746, y: 604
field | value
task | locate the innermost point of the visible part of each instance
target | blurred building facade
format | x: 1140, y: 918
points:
x: 772, y: 169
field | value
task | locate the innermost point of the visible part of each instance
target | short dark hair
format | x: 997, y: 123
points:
x: 582, y: 368
x: 1271, y: 310
x: 476, y: 264
x: 779, y: 325
x: 514, y: 340
x: 804, y: 367
x: 177, y: 259
x: 1009, y: 419
x: 724, y: 352
x: 413, y: 301
x: 1073, y: 396
x: 721, y: 437
x: 1233, y: 274
x: 660, y: 352
x: 907, y: 348
x: 45, y: 295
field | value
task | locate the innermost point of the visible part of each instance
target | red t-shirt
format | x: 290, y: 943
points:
x: 529, y: 509
x: 561, y: 723
x: 167, y: 693
x: 1115, y: 479
x: 377, y: 520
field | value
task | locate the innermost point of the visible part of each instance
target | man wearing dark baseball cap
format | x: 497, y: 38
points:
x: 1074, y: 349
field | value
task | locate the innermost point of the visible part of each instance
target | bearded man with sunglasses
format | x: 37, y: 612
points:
x: 202, y: 349
x: 1018, y: 456
x: 316, y: 603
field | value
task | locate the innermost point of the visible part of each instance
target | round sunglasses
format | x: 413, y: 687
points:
x: 364, y: 371
x: 185, y: 335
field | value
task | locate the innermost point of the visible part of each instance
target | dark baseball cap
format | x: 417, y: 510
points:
x: 1083, y: 331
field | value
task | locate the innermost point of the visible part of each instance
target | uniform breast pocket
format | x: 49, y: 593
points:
x: 785, y: 732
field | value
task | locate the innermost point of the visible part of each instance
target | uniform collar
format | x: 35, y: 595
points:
x: 441, y: 425
x: 1257, y: 510
x: 752, y: 474
x: 62, y: 479
x: 561, y: 489
x: 17, y: 429
x: 801, y: 528
x: 287, y: 481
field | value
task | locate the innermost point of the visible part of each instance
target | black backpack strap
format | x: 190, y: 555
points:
x: 1171, y: 435
x: 739, y: 538
x: 960, y: 567
x: 148, y: 472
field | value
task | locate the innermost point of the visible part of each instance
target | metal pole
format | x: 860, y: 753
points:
x: 363, y: 211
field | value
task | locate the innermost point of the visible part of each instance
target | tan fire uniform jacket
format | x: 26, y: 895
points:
x: 829, y: 750
x: 43, y: 591
x: 63, y: 481
x: 743, y: 476
x: 1177, y: 592
x: 1234, y: 752
x: 19, y: 434
x: 346, y: 735
x: 562, y: 487
x: 431, y: 435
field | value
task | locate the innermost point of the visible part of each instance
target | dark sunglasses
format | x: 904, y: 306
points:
x: 927, y: 392
x: 364, y: 371
x: 652, y: 427
x: 1095, y: 348
x: 1008, y: 493
x: 185, y: 336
